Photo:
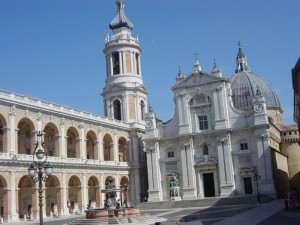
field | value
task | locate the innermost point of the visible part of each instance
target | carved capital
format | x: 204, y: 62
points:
x: 81, y: 125
x: 221, y: 141
x: 12, y: 111
x: 39, y: 116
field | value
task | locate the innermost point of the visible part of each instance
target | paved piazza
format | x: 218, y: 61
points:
x: 260, y: 214
x: 203, y: 215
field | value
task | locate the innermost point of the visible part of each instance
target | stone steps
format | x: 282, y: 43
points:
x: 215, y: 201
x: 144, y: 219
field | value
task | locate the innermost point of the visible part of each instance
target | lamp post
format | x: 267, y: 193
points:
x: 256, y: 177
x: 39, y: 163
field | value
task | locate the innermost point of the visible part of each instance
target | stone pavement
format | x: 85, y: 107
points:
x: 259, y: 214
x: 256, y: 215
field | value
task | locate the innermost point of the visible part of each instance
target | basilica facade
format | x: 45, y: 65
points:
x: 88, y: 152
x: 226, y: 138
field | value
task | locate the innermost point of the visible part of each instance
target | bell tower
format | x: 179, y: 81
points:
x: 125, y: 96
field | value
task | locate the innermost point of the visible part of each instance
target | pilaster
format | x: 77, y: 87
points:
x: 225, y: 167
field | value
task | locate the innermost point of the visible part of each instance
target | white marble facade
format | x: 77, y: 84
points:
x: 212, y: 147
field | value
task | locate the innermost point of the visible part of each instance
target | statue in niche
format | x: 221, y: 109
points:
x: 173, y: 181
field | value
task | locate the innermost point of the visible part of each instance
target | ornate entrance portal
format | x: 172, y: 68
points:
x: 208, y: 185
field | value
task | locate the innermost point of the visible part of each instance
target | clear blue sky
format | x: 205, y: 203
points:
x: 52, y: 49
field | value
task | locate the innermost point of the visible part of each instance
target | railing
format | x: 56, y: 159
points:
x: 14, y: 97
x: 52, y: 159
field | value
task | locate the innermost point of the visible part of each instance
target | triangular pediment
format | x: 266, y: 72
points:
x: 205, y: 160
x: 198, y: 78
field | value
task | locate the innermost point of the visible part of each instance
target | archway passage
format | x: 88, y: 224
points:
x: 208, y: 184
x: 27, y: 207
x: 3, y: 199
x: 51, y: 140
x: 93, y: 192
x: 123, y: 153
x: 72, y: 143
x: 26, y: 136
x: 75, y: 195
x: 108, y: 148
x: 125, y: 193
x: 53, y: 196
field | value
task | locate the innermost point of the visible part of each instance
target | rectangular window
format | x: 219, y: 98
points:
x: 171, y: 154
x: 203, y: 123
x: 244, y: 146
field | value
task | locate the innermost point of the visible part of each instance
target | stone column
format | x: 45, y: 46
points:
x: 13, y: 131
x: 85, y: 192
x: 154, y: 175
x: 62, y: 141
x: 117, y: 184
x: 65, y: 197
x: 39, y: 122
x: 189, y: 186
x: 100, y: 145
x: 135, y: 149
x: 82, y: 141
x: 116, y: 148
x: 225, y: 167
x: 102, y: 187
x: 125, y: 104
x: 138, y: 189
x: 13, y: 198
x: 121, y: 62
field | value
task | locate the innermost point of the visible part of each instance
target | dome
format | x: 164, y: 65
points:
x: 246, y: 85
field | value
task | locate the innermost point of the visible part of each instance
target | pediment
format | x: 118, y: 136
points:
x: 246, y: 170
x: 198, y: 78
x: 206, y: 160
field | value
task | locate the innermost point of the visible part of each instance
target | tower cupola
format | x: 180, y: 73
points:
x: 120, y: 20
x: 241, y: 61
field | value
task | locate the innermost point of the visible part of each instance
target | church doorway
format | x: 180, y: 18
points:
x: 209, y: 185
x: 248, y: 185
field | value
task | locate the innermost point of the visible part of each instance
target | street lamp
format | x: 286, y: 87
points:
x: 256, y: 177
x: 39, y: 163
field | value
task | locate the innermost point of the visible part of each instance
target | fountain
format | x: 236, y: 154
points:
x: 112, y: 207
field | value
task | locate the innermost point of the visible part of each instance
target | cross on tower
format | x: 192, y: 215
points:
x: 196, y: 55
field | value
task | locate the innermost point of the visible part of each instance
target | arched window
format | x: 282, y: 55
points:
x: 117, y: 110
x: 205, y: 149
x: 116, y: 63
x: 137, y: 61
